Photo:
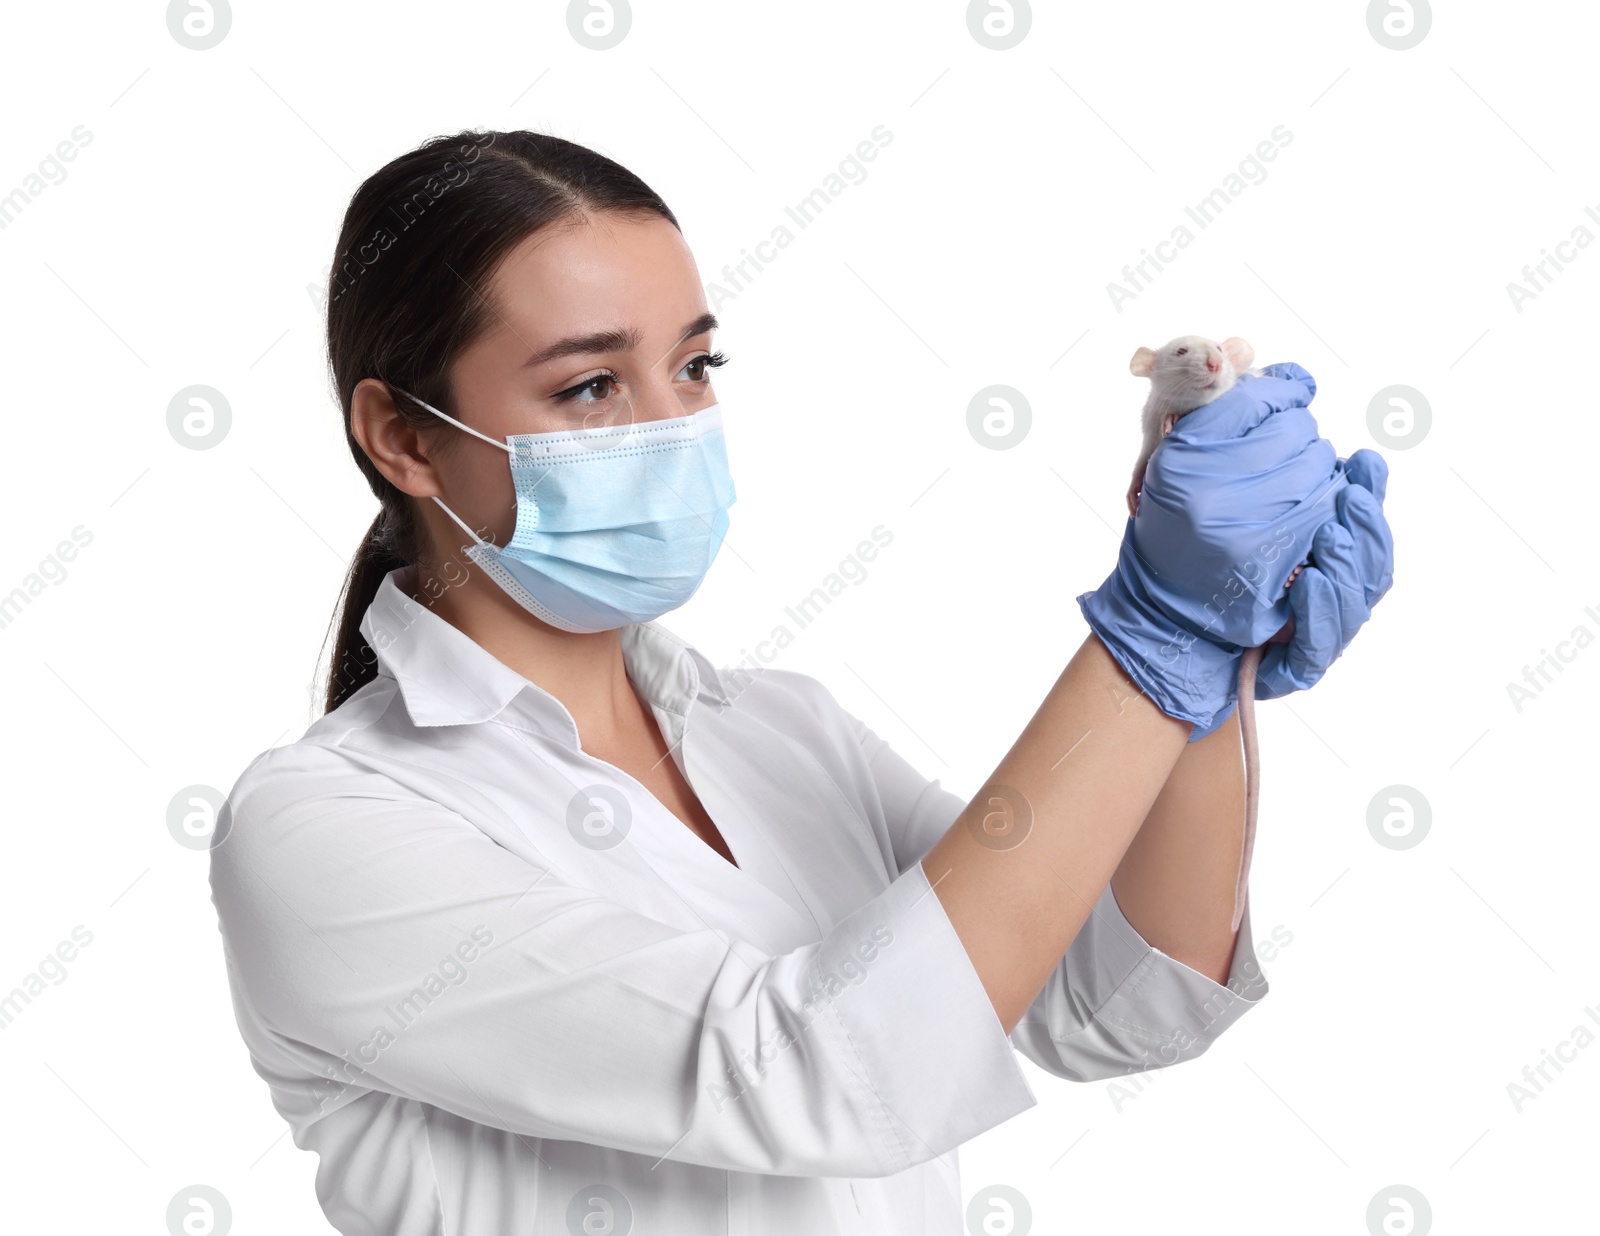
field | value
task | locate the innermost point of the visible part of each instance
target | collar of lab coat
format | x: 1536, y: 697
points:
x: 448, y: 678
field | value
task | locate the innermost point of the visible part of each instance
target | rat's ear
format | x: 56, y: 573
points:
x: 1143, y: 363
x: 1239, y: 353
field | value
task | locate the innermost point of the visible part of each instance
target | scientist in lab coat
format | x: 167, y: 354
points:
x: 550, y: 924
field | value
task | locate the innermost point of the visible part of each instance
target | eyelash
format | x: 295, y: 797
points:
x: 714, y: 360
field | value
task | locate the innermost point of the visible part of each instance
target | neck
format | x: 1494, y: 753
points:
x: 586, y: 672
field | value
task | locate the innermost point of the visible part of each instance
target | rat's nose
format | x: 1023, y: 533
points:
x: 1214, y: 363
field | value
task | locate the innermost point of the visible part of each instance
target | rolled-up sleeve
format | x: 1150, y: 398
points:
x: 389, y: 943
x: 1115, y: 1004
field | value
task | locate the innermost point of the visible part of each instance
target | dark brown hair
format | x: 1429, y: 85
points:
x: 421, y: 239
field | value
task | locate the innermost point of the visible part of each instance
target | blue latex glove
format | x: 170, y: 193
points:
x: 1230, y: 502
x: 1354, y: 567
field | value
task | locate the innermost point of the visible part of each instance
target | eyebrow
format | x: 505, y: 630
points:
x: 611, y: 341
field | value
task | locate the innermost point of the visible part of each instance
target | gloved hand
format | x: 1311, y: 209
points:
x: 1354, y: 557
x: 1230, y: 502
x: 1354, y: 567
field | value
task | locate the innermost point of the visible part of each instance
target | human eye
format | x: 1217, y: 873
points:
x: 573, y: 393
x: 707, y: 360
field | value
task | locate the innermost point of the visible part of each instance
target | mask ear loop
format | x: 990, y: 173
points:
x: 504, y: 446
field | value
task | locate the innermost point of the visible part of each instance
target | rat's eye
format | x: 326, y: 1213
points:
x: 1181, y: 351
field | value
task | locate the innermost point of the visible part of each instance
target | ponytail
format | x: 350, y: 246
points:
x: 354, y: 663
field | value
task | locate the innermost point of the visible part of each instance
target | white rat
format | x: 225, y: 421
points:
x: 1186, y: 374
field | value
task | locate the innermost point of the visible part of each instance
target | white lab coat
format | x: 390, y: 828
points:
x: 498, y: 987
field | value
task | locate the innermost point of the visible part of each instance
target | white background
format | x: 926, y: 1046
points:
x: 183, y: 639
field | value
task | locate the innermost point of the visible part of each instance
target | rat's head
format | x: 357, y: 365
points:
x: 1192, y: 367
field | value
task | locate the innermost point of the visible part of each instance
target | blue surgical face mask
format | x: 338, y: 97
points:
x: 614, y: 526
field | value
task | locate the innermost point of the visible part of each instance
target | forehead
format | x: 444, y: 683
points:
x: 597, y: 271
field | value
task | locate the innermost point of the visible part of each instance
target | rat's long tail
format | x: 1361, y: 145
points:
x: 1249, y: 662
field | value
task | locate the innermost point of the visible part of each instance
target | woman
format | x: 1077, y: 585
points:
x: 551, y: 925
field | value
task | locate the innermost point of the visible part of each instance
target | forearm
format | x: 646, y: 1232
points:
x: 1177, y: 880
x: 1086, y: 771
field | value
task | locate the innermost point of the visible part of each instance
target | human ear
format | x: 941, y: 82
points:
x: 389, y: 441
